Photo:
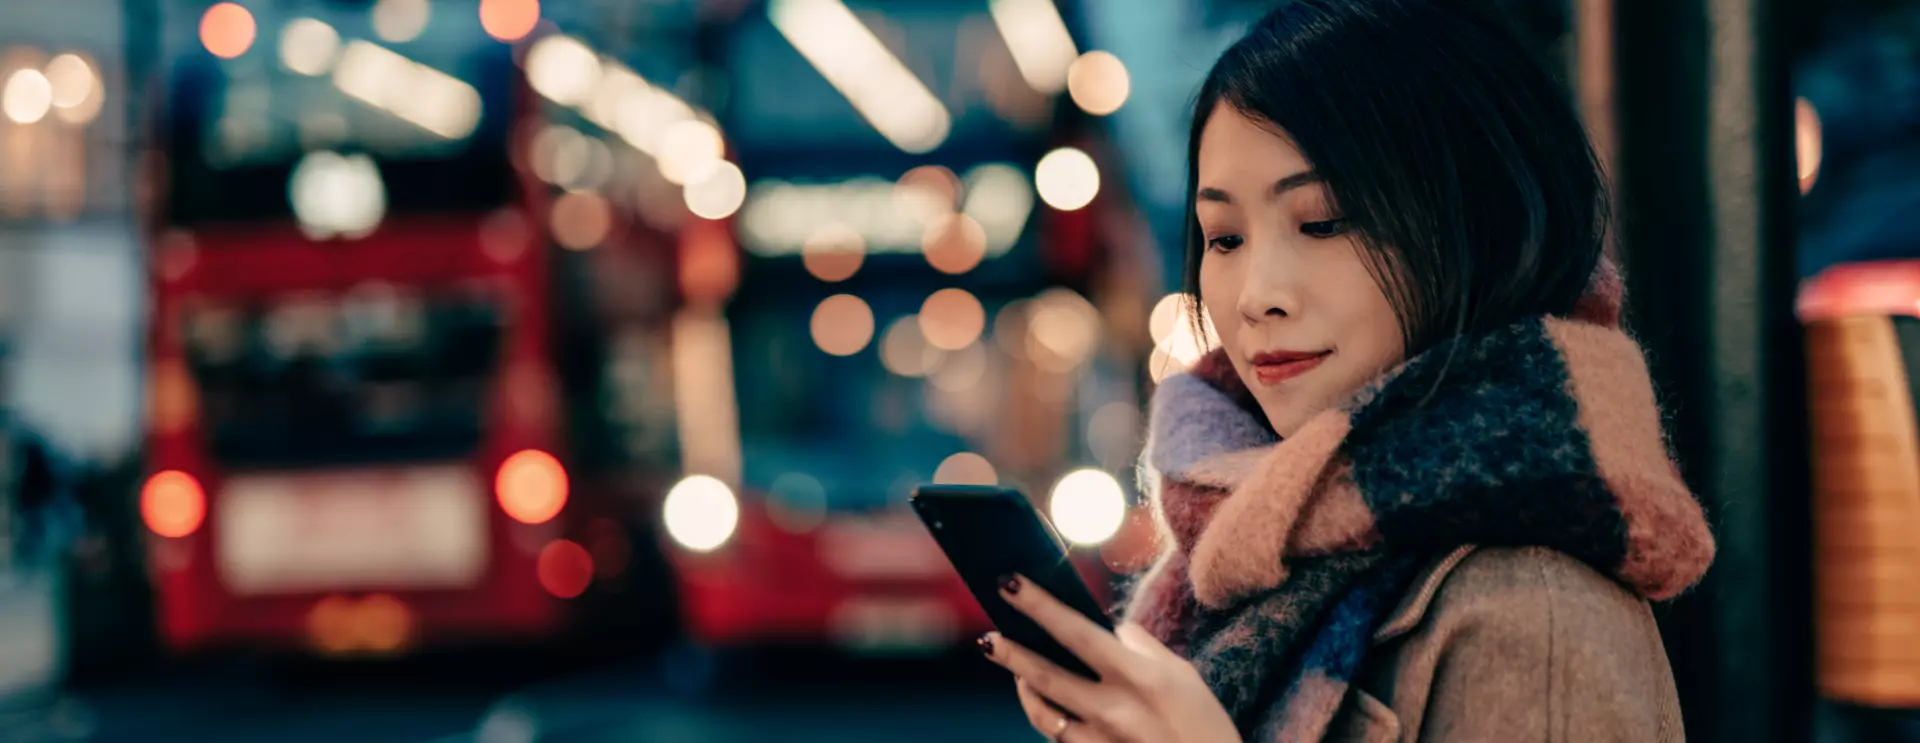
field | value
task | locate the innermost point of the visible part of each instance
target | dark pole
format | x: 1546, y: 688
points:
x: 1707, y: 189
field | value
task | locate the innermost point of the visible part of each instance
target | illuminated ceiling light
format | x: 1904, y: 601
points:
x: 966, y: 468
x: 400, y: 21
x: 842, y: 325
x: 962, y: 370
x: 954, y: 244
x: 1806, y: 142
x: 904, y: 349
x: 581, y: 220
x: 1037, y: 36
x: 928, y: 193
x: 878, y: 85
x: 1067, y: 179
x: 833, y: 252
x: 226, y: 30
x: 423, y: 96
x: 308, y: 46
x: 687, y: 148
x: 952, y: 319
x: 1098, y: 83
x: 563, y: 69
x: 340, y: 195
x: 27, y: 97
x: 1000, y: 199
x: 719, y: 193
x: 509, y: 20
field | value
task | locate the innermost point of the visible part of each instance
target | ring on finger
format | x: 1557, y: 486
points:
x: 1060, y: 729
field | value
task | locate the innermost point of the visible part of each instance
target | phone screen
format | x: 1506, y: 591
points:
x: 989, y: 533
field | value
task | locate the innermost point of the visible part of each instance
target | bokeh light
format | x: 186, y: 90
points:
x: 1063, y: 329
x: 833, y: 252
x: 904, y: 349
x: 400, y: 21
x: 952, y: 319
x: 1000, y: 198
x: 78, y: 91
x: 701, y: 513
x: 960, y: 371
x: 581, y: 220
x: 718, y: 193
x: 563, y: 69
x: 509, y: 20
x: 797, y: 502
x: 687, y: 149
x: 966, y: 468
x: 565, y: 568
x: 1067, y: 178
x: 1088, y: 506
x: 1098, y: 83
x: 227, y: 30
x: 842, y: 324
x: 954, y: 244
x: 28, y: 96
x: 334, y: 194
x: 927, y: 193
x: 308, y: 46
x: 1807, y: 142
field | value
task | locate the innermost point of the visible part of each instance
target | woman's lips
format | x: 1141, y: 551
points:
x: 1276, y: 367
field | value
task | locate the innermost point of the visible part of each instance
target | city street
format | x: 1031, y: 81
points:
x: 509, y: 698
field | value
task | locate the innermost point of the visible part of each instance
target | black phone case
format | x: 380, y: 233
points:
x: 989, y: 533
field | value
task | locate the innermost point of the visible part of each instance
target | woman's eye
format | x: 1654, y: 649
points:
x: 1224, y: 243
x: 1324, y: 229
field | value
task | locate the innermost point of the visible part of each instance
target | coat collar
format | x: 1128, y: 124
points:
x: 1419, y: 596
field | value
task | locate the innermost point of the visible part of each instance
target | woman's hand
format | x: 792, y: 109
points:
x: 1145, y: 692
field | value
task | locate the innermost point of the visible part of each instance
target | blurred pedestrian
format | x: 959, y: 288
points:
x: 1420, y: 491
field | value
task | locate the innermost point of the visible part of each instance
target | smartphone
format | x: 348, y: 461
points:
x: 989, y: 533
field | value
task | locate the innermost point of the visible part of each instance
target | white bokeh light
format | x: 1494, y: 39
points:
x: 1088, y: 506
x: 717, y: 193
x: 336, y: 195
x: 563, y: 69
x: 308, y: 46
x: 27, y: 97
x: 1067, y: 178
x: 701, y: 513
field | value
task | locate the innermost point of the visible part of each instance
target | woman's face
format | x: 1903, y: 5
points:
x: 1283, y: 279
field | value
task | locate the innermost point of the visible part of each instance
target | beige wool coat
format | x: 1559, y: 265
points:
x: 1514, y: 645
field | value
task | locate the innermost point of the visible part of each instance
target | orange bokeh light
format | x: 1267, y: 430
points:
x: 509, y: 20
x: 565, y: 568
x: 531, y: 486
x: 172, y: 504
x: 227, y: 30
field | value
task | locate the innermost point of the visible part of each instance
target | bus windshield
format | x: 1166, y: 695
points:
x: 866, y: 434
x: 372, y: 375
x: 236, y: 131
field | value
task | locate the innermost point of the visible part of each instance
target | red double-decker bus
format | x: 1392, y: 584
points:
x: 357, y: 438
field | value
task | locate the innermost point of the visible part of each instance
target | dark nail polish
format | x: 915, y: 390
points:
x: 986, y: 644
x: 1010, y: 584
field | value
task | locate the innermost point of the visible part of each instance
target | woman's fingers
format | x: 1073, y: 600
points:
x: 1090, y: 642
x: 1042, y: 714
x: 1067, y: 690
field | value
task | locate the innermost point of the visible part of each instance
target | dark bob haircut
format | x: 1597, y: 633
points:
x: 1455, y: 156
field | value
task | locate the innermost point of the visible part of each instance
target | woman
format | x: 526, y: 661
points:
x: 1420, y: 490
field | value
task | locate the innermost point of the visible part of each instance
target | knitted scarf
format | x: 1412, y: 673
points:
x: 1284, y: 557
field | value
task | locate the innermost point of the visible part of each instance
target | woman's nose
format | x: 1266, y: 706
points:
x: 1267, y: 292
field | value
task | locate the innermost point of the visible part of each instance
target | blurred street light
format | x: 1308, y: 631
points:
x: 954, y: 244
x: 952, y: 319
x: 1000, y: 198
x: 1098, y: 83
x: 904, y: 349
x: 833, y: 253
x: 28, y: 96
x: 1037, y: 36
x: 401, y: 21
x: 509, y: 20
x: 1088, y: 506
x: 966, y: 468
x: 856, y: 63
x: 227, y: 30
x: 78, y: 91
x: 842, y: 325
x: 718, y: 193
x: 1067, y: 178
x: 581, y: 220
x: 563, y: 69
x: 421, y: 95
x: 308, y: 46
x: 687, y: 148
x: 333, y: 194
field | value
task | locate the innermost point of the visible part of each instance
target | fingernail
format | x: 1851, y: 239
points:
x: 1010, y: 584
x: 986, y: 644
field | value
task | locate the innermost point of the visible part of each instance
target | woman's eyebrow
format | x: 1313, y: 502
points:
x: 1279, y: 187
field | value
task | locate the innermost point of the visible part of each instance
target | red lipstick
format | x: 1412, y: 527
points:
x: 1274, y: 367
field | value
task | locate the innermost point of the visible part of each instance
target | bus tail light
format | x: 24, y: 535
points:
x: 531, y: 486
x: 173, y: 504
